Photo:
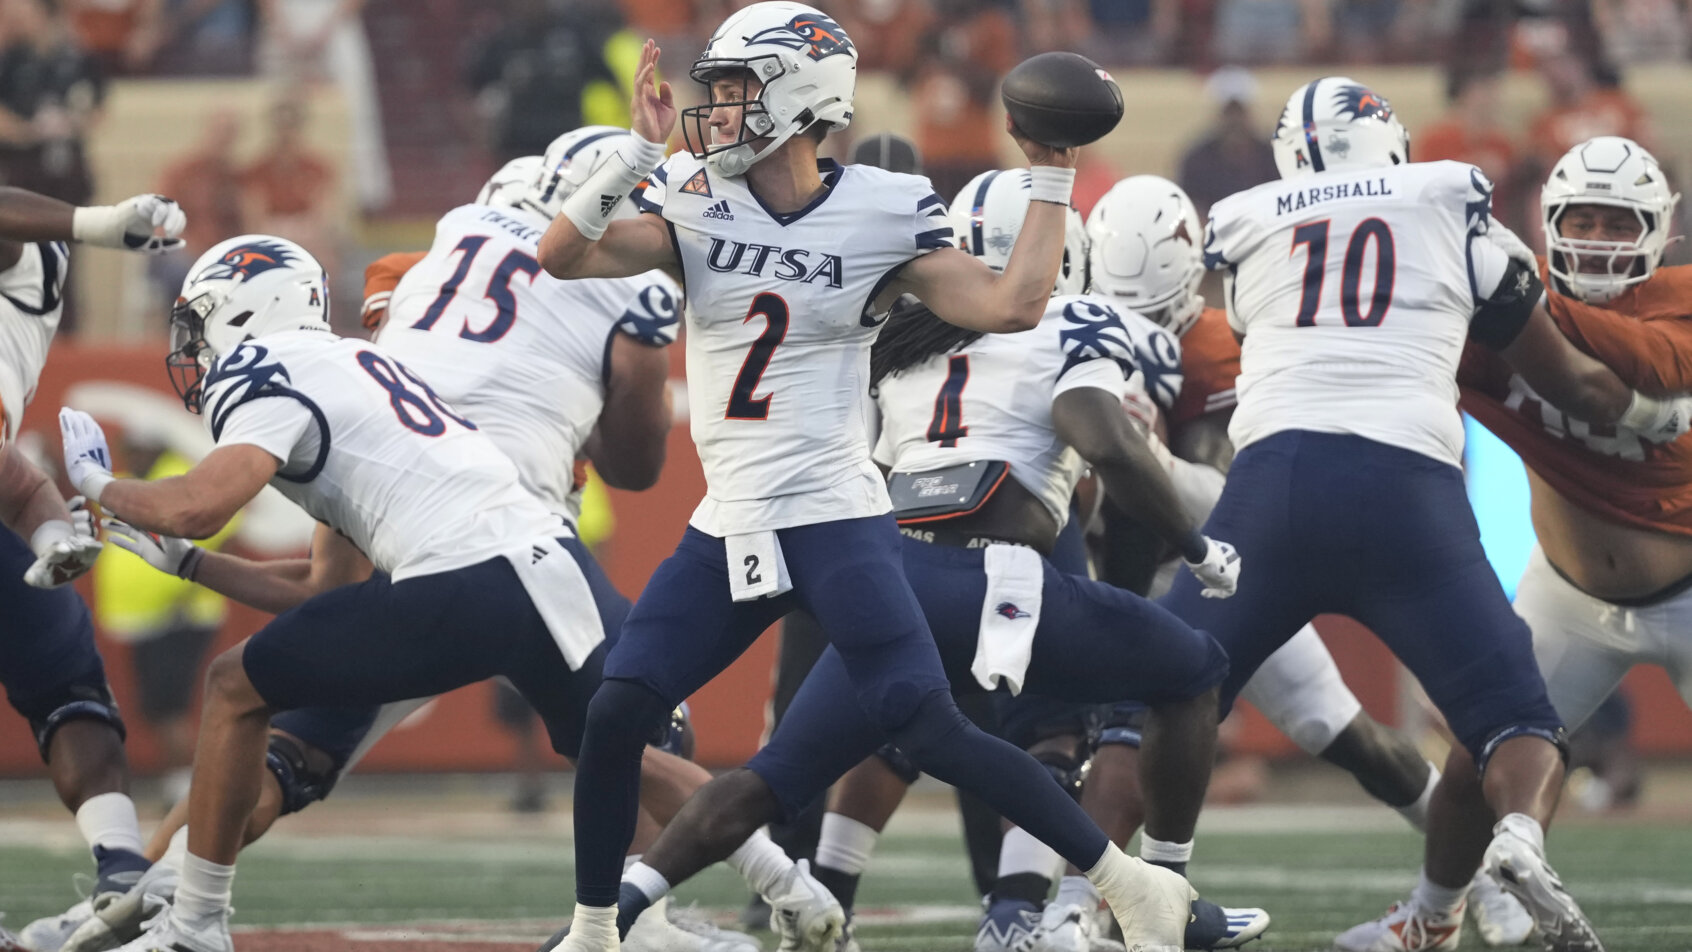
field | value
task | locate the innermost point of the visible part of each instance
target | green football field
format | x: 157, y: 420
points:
x: 379, y: 872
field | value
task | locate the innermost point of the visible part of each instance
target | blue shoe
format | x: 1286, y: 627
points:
x: 1217, y: 927
x: 1008, y: 926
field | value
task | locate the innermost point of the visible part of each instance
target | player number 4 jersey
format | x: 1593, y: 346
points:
x: 992, y: 400
x: 1355, y: 292
x: 779, y: 331
x: 367, y: 448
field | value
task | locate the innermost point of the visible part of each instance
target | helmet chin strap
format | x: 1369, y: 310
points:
x: 738, y: 160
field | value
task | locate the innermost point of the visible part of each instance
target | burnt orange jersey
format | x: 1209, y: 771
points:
x: 1210, y: 360
x: 380, y: 279
x: 1644, y: 335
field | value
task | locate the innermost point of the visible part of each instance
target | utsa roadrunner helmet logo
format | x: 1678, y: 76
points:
x: 813, y: 33
x: 1009, y: 610
x: 1359, y: 102
x: 246, y: 261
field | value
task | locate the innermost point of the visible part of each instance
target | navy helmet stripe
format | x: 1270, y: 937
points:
x: 1310, y: 126
x: 975, y: 235
x: 594, y: 138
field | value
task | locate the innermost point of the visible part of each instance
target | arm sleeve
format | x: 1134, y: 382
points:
x: 649, y: 195
x: 1654, y: 356
x: 277, y: 423
x: 1502, y: 314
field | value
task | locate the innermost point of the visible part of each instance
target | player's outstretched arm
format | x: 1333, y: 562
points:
x: 272, y: 586
x: 1583, y: 387
x: 584, y: 241
x: 130, y: 225
x: 634, y: 426
x: 961, y: 290
x: 28, y: 499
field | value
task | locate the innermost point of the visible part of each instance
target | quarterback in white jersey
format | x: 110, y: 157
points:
x: 788, y: 265
x: 1355, y: 283
x: 475, y: 576
x: 51, y: 672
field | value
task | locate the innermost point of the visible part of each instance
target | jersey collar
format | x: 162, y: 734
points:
x: 831, y: 171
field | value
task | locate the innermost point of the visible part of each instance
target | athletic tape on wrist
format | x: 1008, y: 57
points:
x: 1051, y: 184
x: 591, y: 207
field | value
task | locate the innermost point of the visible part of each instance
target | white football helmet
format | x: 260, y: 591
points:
x: 987, y: 216
x: 1617, y: 172
x: 1336, y: 124
x: 568, y: 162
x: 509, y: 187
x: 242, y: 288
x: 1143, y: 247
x: 808, y: 68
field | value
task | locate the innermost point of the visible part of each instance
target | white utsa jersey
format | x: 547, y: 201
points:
x: 31, y: 299
x: 370, y: 451
x: 1355, y: 291
x: 992, y: 399
x: 522, y: 354
x: 779, y: 333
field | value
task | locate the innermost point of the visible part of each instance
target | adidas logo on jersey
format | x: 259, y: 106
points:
x: 719, y: 211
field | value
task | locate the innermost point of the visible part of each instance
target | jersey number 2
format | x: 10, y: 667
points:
x: 1315, y: 235
x: 742, y: 405
x: 498, y: 290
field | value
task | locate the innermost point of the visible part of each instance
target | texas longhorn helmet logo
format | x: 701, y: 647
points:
x: 814, y: 34
x: 248, y: 260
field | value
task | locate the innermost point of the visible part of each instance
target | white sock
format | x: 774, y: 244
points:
x: 845, y: 844
x: 1523, y: 826
x: 761, y: 863
x: 1020, y: 852
x: 176, y: 853
x: 202, y: 896
x: 108, y: 820
x: 649, y: 881
x: 1160, y: 851
x: 596, y: 924
x: 1417, y: 813
x: 1077, y: 891
x: 1435, y: 898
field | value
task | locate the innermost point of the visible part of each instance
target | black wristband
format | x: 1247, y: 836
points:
x: 1194, y: 547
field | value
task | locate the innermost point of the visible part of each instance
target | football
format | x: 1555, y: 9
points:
x: 1062, y: 99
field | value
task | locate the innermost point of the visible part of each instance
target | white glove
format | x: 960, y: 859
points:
x: 64, y: 550
x: 1507, y: 242
x: 1219, y: 570
x: 129, y: 225
x: 87, y: 461
x: 1660, y: 421
x: 168, y: 554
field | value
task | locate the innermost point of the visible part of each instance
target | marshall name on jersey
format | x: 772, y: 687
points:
x: 368, y: 449
x: 31, y: 300
x: 992, y: 400
x: 1646, y: 336
x: 1355, y: 296
x: 519, y: 352
x: 779, y: 331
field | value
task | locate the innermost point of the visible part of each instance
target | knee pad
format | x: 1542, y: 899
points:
x: 901, y: 765
x: 1121, y: 724
x: 1069, y: 771
x: 678, y: 734
x: 627, y: 715
x: 1557, y: 737
x: 301, y: 785
x: 78, y: 702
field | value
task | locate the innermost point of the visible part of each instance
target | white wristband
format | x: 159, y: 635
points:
x: 1051, y: 184
x: 94, y: 484
x: 592, y: 206
x: 49, y: 532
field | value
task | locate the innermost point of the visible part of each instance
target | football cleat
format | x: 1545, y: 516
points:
x: 803, y: 913
x: 1237, y: 926
x: 1008, y: 926
x: 1500, y: 917
x: 9, y: 941
x: 1067, y: 927
x: 1406, y: 927
x: 703, y: 933
x: 120, y: 917
x: 48, y: 934
x: 848, y: 941
x: 165, y: 934
x: 1520, y: 867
